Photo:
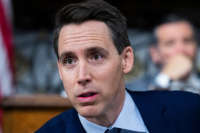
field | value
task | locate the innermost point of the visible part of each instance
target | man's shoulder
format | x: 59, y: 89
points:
x: 177, y: 107
x: 58, y: 123
x: 166, y: 94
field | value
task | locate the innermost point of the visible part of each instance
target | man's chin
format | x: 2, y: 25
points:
x: 88, y: 111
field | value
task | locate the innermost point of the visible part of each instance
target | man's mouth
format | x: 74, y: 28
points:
x: 87, y: 97
x: 89, y: 94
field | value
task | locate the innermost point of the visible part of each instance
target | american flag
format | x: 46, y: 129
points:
x: 6, y: 53
x: 6, y: 50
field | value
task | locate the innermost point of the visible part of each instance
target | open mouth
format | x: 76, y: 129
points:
x: 88, y: 97
x: 89, y: 94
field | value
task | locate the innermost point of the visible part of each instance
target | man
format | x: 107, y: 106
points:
x: 174, y: 54
x: 94, y: 53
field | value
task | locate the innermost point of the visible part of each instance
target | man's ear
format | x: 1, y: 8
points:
x: 59, y: 67
x: 155, y: 54
x: 127, y: 59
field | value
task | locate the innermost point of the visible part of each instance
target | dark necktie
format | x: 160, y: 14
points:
x: 119, y: 130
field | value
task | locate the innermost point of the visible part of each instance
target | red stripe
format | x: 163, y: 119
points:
x: 5, y: 27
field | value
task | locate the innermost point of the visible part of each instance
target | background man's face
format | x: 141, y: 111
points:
x: 175, y: 39
x: 90, y: 68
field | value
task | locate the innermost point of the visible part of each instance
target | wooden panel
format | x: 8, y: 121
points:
x: 20, y: 116
x: 35, y: 101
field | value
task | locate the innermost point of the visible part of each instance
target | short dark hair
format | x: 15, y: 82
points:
x: 94, y: 10
x: 173, y: 18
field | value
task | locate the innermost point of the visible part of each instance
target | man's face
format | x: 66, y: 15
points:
x: 175, y: 39
x: 90, y: 68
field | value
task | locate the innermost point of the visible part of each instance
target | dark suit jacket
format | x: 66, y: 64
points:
x: 162, y: 112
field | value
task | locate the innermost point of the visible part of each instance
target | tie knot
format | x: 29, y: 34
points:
x: 113, y: 130
x: 120, y: 130
x: 107, y: 130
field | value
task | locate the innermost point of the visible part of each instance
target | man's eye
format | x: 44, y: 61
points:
x: 189, y: 40
x: 96, y: 57
x: 68, y: 61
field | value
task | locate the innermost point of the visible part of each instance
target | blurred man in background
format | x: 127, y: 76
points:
x: 173, y: 53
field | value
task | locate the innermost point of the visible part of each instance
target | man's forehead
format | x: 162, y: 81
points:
x: 183, y: 26
x: 81, y: 37
x: 92, y: 31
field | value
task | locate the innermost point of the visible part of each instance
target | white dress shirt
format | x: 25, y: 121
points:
x: 129, y: 118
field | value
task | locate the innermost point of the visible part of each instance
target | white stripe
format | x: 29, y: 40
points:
x: 5, y: 73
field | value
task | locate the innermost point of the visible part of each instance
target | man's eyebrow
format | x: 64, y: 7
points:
x: 98, y: 49
x: 64, y: 54
x: 89, y: 50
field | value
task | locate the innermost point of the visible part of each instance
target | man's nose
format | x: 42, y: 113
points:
x: 180, y: 48
x: 84, y: 76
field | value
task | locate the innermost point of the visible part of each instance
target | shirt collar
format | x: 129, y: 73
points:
x: 124, y: 120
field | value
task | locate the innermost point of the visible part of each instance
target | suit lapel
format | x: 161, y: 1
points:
x: 74, y: 124
x: 153, y: 113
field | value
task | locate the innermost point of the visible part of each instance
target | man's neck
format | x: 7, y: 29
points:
x: 110, y: 115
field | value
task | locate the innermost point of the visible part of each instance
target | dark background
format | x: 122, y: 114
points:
x: 39, y: 14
